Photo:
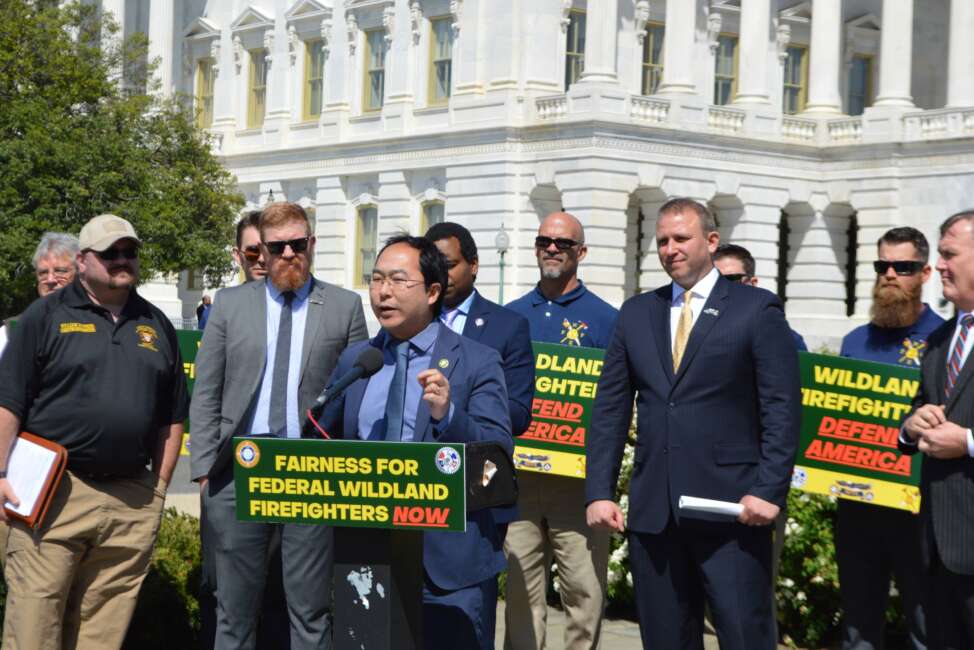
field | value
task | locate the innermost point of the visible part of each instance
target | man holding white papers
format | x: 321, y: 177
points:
x: 713, y: 369
x: 95, y: 368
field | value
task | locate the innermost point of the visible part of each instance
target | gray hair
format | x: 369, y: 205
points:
x: 60, y: 244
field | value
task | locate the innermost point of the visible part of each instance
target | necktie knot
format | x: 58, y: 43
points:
x: 288, y: 298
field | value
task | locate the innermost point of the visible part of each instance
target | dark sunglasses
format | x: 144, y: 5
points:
x: 735, y: 277
x: 560, y: 243
x: 297, y: 245
x: 905, y: 267
x: 251, y: 253
x: 112, y: 254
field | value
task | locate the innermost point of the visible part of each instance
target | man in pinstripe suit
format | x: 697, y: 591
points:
x: 940, y: 428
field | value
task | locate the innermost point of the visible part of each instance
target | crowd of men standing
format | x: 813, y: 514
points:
x: 708, y: 360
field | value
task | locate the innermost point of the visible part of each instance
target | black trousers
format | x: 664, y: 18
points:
x: 951, y: 611
x: 727, y: 565
x: 872, y: 545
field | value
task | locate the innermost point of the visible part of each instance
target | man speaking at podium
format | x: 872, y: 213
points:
x: 434, y: 386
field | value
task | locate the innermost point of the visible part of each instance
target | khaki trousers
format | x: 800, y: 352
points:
x: 74, y: 582
x: 552, y: 523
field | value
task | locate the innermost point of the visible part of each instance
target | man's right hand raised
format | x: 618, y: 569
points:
x: 7, y: 494
x: 605, y: 514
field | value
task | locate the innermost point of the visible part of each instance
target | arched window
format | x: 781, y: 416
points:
x: 366, y: 243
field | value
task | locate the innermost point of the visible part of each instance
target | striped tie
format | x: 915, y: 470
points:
x: 957, y: 354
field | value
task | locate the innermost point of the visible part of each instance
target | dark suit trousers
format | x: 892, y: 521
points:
x: 872, y: 544
x: 950, y: 616
x: 461, y: 618
x: 728, y: 565
x: 241, y: 559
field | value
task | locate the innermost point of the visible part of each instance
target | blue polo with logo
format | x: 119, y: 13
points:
x: 577, y: 318
x: 902, y: 346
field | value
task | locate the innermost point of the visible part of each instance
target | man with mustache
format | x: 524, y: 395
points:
x: 95, y: 368
x: 560, y: 309
x: 266, y: 353
x: 873, y: 543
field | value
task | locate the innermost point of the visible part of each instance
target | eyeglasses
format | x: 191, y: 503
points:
x: 902, y: 267
x: 397, y: 282
x: 735, y: 277
x: 252, y: 253
x: 113, y: 253
x: 59, y: 273
x: 561, y: 243
x: 298, y: 245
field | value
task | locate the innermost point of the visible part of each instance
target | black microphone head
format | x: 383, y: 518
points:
x: 369, y: 361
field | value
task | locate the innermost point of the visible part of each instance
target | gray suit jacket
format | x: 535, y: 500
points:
x: 233, y: 353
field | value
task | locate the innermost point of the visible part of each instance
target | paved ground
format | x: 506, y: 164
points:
x: 617, y: 634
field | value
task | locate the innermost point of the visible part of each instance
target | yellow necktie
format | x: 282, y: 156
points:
x: 683, y: 328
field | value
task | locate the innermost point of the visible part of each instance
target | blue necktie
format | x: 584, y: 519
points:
x: 396, y: 401
x: 282, y: 358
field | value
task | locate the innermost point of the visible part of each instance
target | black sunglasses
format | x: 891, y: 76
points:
x: 904, y: 267
x: 297, y: 245
x: 561, y: 243
x: 734, y: 277
x: 112, y: 254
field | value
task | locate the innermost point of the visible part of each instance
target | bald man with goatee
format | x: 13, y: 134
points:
x: 560, y: 309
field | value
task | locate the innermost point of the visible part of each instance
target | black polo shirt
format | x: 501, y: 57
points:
x: 100, y: 388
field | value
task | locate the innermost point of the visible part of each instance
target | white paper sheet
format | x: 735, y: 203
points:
x: 27, y: 469
x: 697, y: 504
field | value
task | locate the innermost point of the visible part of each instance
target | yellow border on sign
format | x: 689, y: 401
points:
x: 545, y: 461
x: 857, y: 488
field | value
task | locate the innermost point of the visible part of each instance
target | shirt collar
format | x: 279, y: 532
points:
x: 701, y: 289
x: 423, y: 341
x: 538, y: 298
x: 299, y: 294
x: 76, y: 296
x: 464, y: 307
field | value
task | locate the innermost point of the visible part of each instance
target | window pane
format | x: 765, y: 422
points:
x: 652, y: 59
x: 434, y: 213
x: 859, y: 90
x: 204, y: 93
x: 375, y: 69
x: 724, y: 70
x: 575, y: 48
x: 258, y: 87
x: 314, y: 75
x: 368, y: 228
x: 441, y: 53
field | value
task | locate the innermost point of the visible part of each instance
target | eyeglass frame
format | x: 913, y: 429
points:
x: 298, y: 245
x: 563, y: 244
x: 396, y: 284
x: 909, y: 267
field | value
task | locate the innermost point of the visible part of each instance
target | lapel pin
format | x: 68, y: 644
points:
x: 711, y: 311
x: 444, y: 363
x: 479, y: 322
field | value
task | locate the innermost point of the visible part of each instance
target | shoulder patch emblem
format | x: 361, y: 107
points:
x: 911, y: 354
x: 147, y: 337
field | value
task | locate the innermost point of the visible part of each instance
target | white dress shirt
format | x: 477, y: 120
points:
x: 701, y: 291
x: 463, y: 309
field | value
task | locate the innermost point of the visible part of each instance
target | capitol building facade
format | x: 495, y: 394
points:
x: 809, y: 127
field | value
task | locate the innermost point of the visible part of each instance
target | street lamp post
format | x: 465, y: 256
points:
x: 502, y: 242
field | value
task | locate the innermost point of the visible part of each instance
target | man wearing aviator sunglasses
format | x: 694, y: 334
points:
x: 248, y: 253
x: 873, y: 544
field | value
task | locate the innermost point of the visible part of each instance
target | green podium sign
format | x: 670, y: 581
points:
x: 350, y: 483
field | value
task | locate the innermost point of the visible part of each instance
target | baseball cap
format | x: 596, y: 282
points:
x: 103, y: 231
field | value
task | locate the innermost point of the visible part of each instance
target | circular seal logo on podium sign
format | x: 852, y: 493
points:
x: 447, y: 460
x: 248, y: 454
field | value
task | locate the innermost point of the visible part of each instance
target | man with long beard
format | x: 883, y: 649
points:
x: 873, y: 543
x: 267, y: 351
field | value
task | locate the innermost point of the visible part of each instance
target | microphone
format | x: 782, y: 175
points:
x: 368, y: 363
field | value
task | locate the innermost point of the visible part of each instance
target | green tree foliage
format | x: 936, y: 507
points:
x: 75, y: 143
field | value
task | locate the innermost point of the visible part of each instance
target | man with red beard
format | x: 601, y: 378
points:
x: 267, y: 351
x: 873, y: 543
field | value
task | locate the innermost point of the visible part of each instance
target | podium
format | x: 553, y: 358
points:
x: 380, y: 498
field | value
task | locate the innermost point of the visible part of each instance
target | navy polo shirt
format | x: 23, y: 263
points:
x: 902, y: 346
x: 577, y: 318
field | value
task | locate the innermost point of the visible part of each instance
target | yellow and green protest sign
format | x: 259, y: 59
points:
x: 565, y: 380
x: 851, y: 415
x: 351, y: 483
x: 189, y: 345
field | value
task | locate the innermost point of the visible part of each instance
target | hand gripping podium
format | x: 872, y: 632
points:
x: 380, y: 497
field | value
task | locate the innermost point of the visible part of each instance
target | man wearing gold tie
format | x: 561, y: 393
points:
x: 713, y: 370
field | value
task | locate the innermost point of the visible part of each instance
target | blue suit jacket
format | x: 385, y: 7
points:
x: 507, y: 332
x: 452, y: 560
x: 725, y: 425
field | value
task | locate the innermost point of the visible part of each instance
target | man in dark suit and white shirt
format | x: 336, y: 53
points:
x: 266, y: 353
x: 713, y: 368
x: 434, y: 386
x: 940, y: 428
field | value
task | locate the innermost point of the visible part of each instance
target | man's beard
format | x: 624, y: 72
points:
x: 288, y: 275
x: 895, y: 307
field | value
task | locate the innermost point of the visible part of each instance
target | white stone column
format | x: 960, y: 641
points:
x: 331, y: 230
x: 896, y: 55
x: 678, y: 48
x: 752, y: 85
x: 757, y: 229
x: 601, y: 33
x: 825, y: 58
x: 161, y: 45
x: 395, y: 204
x: 115, y: 8
x: 817, y: 260
x: 960, y: 58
